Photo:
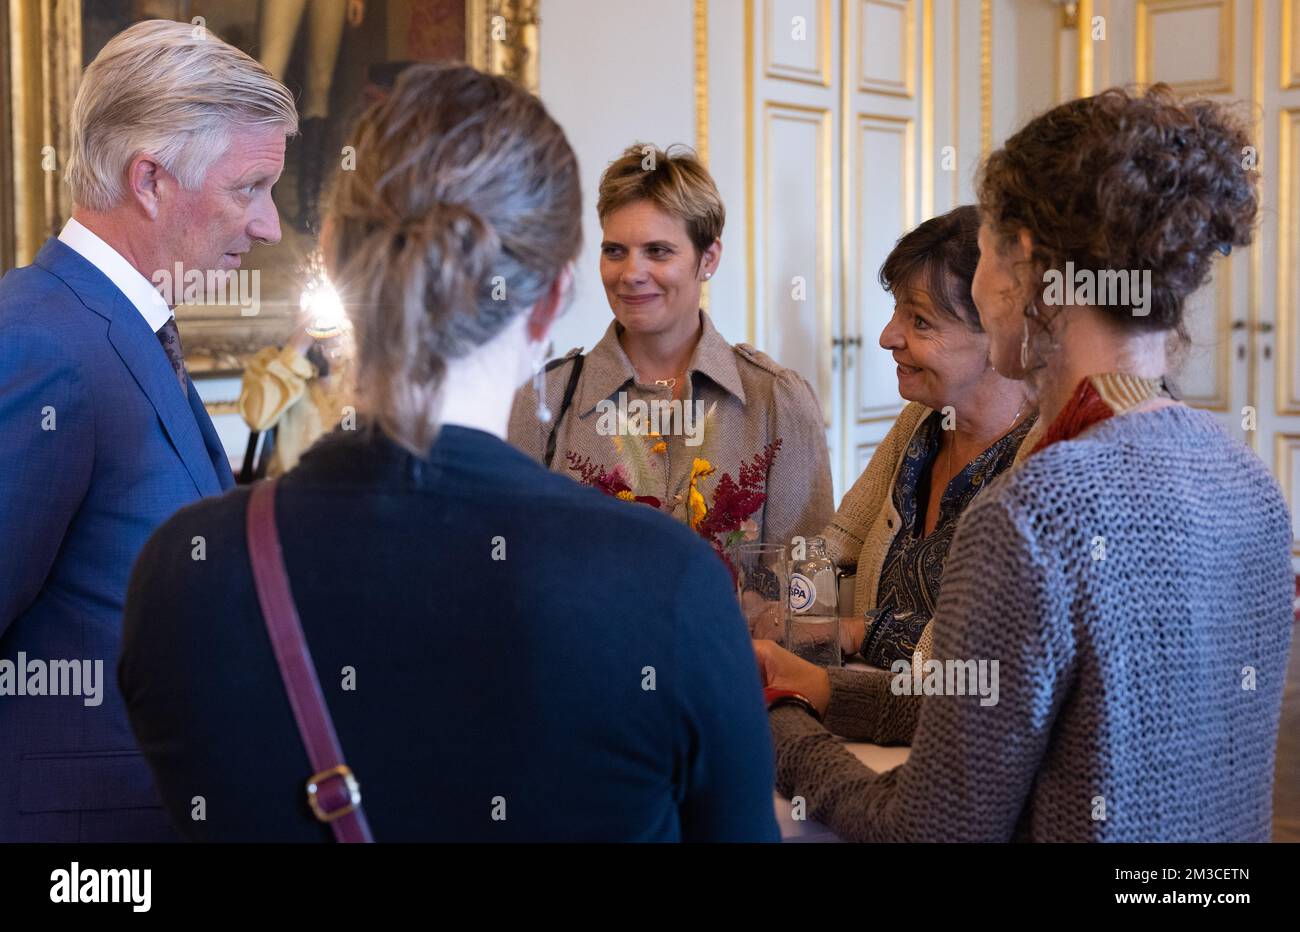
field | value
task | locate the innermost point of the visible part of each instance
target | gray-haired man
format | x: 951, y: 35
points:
x: 177, y: 140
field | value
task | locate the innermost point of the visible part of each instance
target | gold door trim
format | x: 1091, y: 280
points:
x: 1223, y: 82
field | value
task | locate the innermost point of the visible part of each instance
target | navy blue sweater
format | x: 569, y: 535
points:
x: 595, y: 684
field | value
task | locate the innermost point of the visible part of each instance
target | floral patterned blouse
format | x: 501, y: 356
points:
x: 744, y: 399
x: 913, y: 567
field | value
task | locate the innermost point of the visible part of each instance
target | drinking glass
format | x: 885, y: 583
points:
x: 763, y: 587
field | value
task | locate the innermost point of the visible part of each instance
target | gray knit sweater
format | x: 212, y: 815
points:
x: 1135, y: 586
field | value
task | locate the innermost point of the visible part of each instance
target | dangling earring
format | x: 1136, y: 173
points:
x: 539, y: 385
x: 1030, y: 311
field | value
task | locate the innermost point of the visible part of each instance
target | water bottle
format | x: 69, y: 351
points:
x: 813, y: 631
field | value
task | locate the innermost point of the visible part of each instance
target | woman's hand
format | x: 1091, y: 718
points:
x: 783, y: 670
x: 852, y: 630
x: 766, y: 618
x: 356, y: 12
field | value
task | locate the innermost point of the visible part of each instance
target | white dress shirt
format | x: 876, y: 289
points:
x: 138, y: 289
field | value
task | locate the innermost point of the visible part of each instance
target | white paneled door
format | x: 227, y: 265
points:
x: 835, y: 96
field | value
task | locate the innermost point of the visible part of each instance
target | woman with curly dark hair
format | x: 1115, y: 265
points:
x: 1111, y: 635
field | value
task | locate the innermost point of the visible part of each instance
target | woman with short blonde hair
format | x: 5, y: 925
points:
x: 674, y: 181
x: 662, y: 218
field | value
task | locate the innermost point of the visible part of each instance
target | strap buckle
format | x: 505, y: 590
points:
x: 323, y: 783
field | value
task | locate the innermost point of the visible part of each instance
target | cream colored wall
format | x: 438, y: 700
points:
x: 613, y: 73
x: 1022, y: 62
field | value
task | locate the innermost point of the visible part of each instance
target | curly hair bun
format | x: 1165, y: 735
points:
x: 1132, y: 183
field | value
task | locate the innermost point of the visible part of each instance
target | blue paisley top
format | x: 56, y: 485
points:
x: 913, y: 567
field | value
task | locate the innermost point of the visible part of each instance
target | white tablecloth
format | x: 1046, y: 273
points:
x: 874, y: 756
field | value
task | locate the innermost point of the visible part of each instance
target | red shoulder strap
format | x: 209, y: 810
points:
x: 332, y: 791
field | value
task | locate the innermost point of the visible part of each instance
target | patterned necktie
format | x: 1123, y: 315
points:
x: 170, y: 338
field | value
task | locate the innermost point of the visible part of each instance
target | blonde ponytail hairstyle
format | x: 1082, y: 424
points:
x: 462, y: 212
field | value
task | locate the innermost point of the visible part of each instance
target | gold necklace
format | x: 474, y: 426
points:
x: 662, y: 383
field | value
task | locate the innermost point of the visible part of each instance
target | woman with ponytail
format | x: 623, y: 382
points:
x: 497, y: 663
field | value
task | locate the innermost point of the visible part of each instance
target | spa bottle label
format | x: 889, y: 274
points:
x: 802, y: 593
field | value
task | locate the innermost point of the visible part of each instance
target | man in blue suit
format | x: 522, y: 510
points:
x: 177, y: 141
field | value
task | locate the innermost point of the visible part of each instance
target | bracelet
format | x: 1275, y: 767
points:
x: 775, y: 698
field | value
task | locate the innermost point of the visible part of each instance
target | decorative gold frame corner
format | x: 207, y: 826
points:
x: 45, y: 65
x: 515, y: 52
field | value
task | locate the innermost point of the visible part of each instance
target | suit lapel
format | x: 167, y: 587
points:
x: 142, y: 355
x: 216, y: 452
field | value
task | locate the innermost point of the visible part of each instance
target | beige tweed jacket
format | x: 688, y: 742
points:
x: 737, y: 401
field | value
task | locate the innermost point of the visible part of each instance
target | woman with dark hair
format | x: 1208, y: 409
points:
x: 456, y: 597
x: 962, y: 427
x: 1111, y: 637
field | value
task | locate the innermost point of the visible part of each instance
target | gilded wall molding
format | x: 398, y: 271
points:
x: 501, y: 37
x: 1287, y: 399
x: 986, y: 77
x: 927, y: 108
x: 701, y: 39
x: 702, y: 80
x: 1086, y: 80
x: 1284, y: 450
x: 1290, y: 36
x: 751, y: 240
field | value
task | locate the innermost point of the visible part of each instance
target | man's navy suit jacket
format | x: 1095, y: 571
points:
x: 98, y: 446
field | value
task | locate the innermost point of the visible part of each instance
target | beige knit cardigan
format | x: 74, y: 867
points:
x: 859, y: 535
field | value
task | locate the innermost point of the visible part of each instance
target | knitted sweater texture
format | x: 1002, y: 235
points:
x: 1134, y: 586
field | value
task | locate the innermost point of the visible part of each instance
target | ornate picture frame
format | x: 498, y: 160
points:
x: 48, y: 46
